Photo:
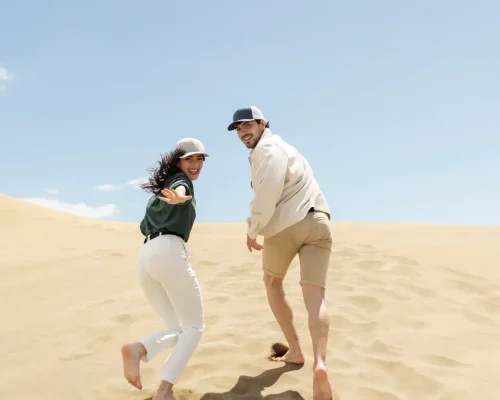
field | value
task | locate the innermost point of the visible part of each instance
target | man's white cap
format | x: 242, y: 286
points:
x: 191, y: 146
x: 245, y: 114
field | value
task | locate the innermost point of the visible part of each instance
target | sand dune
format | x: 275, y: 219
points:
x: 415, y: 312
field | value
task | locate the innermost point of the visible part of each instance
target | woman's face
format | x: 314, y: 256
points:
x: 192, y: 165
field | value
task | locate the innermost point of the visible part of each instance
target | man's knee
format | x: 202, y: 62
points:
x: 314, y: 296
x: 273, y: 282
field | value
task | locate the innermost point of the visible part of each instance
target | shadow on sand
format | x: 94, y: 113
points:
x: 251, y: 387
x: 248, y: 388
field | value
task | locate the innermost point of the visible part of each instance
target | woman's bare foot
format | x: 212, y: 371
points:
x: 164, y: 395
x: 321, y: 386
x: 164, y: 392
x: 131, y: 354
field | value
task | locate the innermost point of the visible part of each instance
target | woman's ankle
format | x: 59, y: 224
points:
x: 165, y: 387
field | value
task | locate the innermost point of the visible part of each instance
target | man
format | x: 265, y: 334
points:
x: 291, y: 213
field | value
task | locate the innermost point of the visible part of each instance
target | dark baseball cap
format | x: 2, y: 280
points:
x: 245, y: 114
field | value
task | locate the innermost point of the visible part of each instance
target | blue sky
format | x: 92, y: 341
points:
x: 396, y: 105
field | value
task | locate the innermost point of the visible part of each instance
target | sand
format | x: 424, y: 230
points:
x: 414, y: 311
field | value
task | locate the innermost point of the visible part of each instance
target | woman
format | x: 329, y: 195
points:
x: 165, y: 275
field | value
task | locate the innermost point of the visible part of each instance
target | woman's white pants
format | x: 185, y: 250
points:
x: 172, y: 288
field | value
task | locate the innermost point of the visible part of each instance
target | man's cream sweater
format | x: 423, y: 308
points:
x: 284, y: 187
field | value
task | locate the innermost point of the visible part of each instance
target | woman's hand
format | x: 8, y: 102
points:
x: 174, y: 197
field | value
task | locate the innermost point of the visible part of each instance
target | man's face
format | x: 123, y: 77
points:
x: 250, y: 132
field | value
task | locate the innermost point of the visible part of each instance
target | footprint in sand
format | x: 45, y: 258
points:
x: 125, y: 319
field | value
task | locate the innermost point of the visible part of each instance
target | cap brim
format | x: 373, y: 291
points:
x: 232, y: 125
x: 194, y: 153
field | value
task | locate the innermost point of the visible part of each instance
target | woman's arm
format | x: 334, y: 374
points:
x: 181, y: 190
x: 176, y: 196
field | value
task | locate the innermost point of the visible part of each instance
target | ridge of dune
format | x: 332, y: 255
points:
x: 414, y: 312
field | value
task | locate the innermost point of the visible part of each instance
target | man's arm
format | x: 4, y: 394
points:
x: 270, y: 176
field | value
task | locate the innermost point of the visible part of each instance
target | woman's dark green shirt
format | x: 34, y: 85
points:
x: 178, y: 218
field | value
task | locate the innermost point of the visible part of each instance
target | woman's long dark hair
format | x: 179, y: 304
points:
x: 166, y: 167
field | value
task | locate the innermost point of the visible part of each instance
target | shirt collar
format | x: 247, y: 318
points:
x: 267, y: 132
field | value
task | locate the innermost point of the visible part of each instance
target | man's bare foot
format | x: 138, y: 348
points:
x: 321, y: 386
x: 131, y: 354
x: 295, y: 357
x: 281, y: 352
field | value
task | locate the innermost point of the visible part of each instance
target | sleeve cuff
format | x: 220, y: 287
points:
x: 175, y: 185
x: 251, y: 233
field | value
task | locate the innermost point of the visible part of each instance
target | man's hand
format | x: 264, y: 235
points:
x: 252, y: 244
x: 173, y: 197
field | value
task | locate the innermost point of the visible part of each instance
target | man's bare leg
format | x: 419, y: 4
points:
x: 131, y: 355
x: 314, y: 299
x: 284, y: 316
x: 164, y: 391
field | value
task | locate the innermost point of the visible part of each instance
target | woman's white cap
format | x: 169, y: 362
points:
x: 191, y: 146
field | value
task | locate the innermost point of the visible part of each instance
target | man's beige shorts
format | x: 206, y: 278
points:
x: 311, y: 239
